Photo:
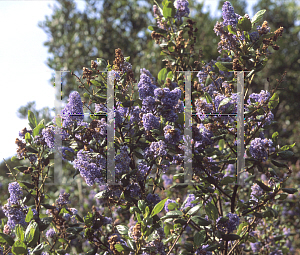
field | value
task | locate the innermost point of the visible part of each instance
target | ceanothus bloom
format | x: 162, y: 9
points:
x: 90, y: 168
x: 258, y: 148
x: 150, y: 121
x: 15, y: 192
x: 228, y: 14
x: 228, y: 225
x: 145, y: 85
x: 182, y: 9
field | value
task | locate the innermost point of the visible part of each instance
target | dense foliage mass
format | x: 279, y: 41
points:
x: 144, y: 214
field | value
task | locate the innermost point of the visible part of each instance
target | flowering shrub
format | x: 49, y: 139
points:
x: 148, y: 127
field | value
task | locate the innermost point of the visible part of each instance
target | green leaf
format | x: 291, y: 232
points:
x: 38, y: 249
x: 121, y: 247
x: 224, y: 102
x: 200, y: 221
x: 244, y: 24
x: 281, y: 196
x: 37, y: 129
x: 263, y: 186
x: 169, y: 10
x: 142, y: 205
x: 162, y: 74
x: 231, y: 30
x: 274, y: 101
x: 158, y: 207
x: 32, y: 234
x: 287, y: 147
x: 242, y: 227
x: 123, y: 230
x: 32, y: 119
x: 21, y: 168
x: 157, y: 29
x: 211, y: 211
x: 129, y: 103
x: 138, y: 155
x: 221, y: 67
x: 79, y: 218
x: 257, y: 16
x: 7, y: 239
x: 230, y: 237
x: 289, y: 190
x: 275, y: 136
x: 208, y: 98
x: 173, y: 214
x: 199, y: 237
x: 279, y: 164
x: 47, y: 206
x: 213, y: 247
x: 29, y: 215
x: 285, y: 154
x: 88, y: 219
x: 19, y: 247
x: 19, y: 232
x: 27, y: 185
x: 28, y: 137
x: 227, y: 180
x: 194, y: 210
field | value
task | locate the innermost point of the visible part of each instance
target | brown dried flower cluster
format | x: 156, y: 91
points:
x: 156, y: 36
x: 87, y: 74
x: 112, y: 242
x: 270, y: 41
x: 21, y: 151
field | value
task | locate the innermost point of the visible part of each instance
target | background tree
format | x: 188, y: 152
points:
x: 77, y: 37
x: 283, y: 14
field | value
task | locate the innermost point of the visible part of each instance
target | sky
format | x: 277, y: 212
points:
x: 24, y: 73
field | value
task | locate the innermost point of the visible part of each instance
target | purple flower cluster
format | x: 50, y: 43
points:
x: 202, y: 137
x: 64, y: 155
x: 170, y: 102
x: 153, y: 198
x: 23, y: 133
x: 262, y: 97
x: 63, y: 199
x: 257, y: 191
x: 159, y: 18
x: 167, y: 181
x: 169, y: 201
x: 172, y: 135
x: 182, y: 9
x: 150, y: 121
x: 135, y: 190
x: 254, y: 36
x: 15, y: 214
x: 230, y: 171
x: 135, y: 115
x: 90, y: 168
x: 145, y: 85
x: 50, y: 233
x: 73, y: 110
x: 122, y: 161
x: 49, y: 136
x: 258, y: 148
x: 229, y: 15
x: 142, y: 171
x: 229, y: 225
x: 15, y: 192
x: 148, y: 104
x: 188, y: 202
x: 156, y: 149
